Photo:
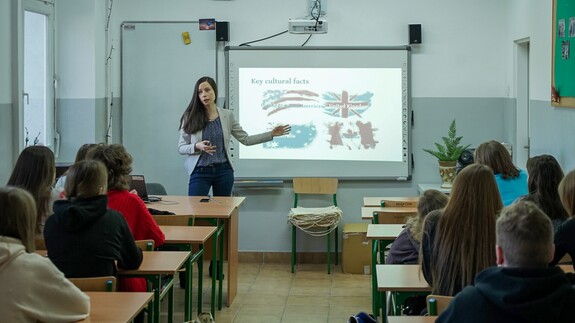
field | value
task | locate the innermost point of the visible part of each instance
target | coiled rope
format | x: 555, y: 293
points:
x: 316, y: 222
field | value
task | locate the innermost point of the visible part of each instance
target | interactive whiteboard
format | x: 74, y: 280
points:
x: 349, y: 109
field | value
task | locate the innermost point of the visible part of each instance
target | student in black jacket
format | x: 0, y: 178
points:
x: 84, y: 238
x: 523, y: 288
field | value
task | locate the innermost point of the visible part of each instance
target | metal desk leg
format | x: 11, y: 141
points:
x: 214, y: 270
x: 188, y: 292
x: 200, y: 277
x: 220, y: 264
x: 374, y: 292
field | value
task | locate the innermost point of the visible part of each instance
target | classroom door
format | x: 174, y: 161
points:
x: 521, y: 151
x: 159, y: 72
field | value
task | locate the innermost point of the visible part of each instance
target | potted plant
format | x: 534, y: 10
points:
x: 447, y: 154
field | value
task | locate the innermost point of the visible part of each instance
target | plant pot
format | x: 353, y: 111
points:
x: 447, y: 173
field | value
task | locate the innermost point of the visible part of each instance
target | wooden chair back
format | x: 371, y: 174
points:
x: 314, y: 185
x: 181, y: 220
x: 40, y: 244
x: 145, y: 245
x: 436, y: 304
x: 566, y: 260
x: 95, y: 284
x: 398, y: 202
x: 384, y: 217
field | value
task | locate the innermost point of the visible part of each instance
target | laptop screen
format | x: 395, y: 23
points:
x: 138, y: 183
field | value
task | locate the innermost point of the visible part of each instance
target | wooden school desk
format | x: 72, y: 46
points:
x: 154, y: 265
x: 381, y: 235
x: 399, y: 278
x: 117, y: 306
x: 224, y: 211
x: 408, y: 201
x: 188, y: 236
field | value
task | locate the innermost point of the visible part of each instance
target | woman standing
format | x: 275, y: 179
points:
x: 205, y: 131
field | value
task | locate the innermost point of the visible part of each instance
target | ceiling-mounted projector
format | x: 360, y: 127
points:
x: 307, y: 26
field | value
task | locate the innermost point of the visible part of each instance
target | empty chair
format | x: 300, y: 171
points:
x: 315, y: 221
x: 156, y: 189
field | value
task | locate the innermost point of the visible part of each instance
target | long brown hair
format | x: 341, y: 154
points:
x: 465, y: 237
x: 494, y: 155
x: 429, y: 201
x: 195, y: 118
x: 545, y: 174
x: 35, y: 171
x: 567, y: 192
x: 18, y: 216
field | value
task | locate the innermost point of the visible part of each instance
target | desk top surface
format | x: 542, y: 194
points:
x: 187, y: 234
x: 391, y: 201
x: 216, y: 207
x: 117, y: 306
x: 159, y: 262
x: 400, y: 278
x: 383, y: 231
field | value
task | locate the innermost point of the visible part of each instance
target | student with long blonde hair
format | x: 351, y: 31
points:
x: 459, y: 241
x: 33, y: 289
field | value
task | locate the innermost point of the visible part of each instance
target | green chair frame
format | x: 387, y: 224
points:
x: 315, y: 186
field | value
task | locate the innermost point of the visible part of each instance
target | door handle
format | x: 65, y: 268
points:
x: 27, y: 96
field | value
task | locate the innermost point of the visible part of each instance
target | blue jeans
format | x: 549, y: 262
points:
x: 219, y: 177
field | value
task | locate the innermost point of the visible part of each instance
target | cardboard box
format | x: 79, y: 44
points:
x: 356, y: 249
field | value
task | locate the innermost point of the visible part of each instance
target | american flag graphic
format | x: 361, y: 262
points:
x: 277, y: 100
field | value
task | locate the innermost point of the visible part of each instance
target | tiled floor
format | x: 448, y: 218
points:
x: 271, y: 293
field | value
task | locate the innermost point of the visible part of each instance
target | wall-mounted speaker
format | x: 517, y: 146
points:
x: 222, y: 31
x: 415, y: 34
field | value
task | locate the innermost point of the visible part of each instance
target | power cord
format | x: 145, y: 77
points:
x: 258, y: 40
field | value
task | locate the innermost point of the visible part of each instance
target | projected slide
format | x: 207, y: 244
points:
x: 340, y: 114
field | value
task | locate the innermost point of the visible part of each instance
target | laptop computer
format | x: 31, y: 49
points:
x: 138, y: 183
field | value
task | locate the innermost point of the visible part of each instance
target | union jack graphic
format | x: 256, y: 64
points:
x: 277, y: 100
x: 343, y: 104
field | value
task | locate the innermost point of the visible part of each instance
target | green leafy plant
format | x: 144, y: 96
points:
x: 451, y: 148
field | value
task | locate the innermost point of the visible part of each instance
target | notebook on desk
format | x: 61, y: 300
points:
x: 138, y: 183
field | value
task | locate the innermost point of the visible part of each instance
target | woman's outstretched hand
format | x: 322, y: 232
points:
x: 281, y: 130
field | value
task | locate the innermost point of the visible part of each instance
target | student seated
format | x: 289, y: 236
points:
x: 35, y: 171
x: 545, y: 174
x: 405, y: 248
x: 85, y: 238
x: 523, y: 288
x: 80, y: 155
x: 458, y: 241
x: 141, y: 223
x: 565, y: 236
x: 32, y: 288
x: 511, y: 181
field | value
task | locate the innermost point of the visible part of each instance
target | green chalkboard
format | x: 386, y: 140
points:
x: 563, y: 69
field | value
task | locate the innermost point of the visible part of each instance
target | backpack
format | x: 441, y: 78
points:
x: 362, y: 317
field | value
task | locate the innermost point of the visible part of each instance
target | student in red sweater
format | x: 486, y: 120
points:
x: 143, y: 226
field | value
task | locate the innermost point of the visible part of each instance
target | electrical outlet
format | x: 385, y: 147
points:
x: 317, y: 7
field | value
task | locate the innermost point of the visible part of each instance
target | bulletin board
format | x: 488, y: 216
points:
x: 563, y: 56
x: 159, y: 71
